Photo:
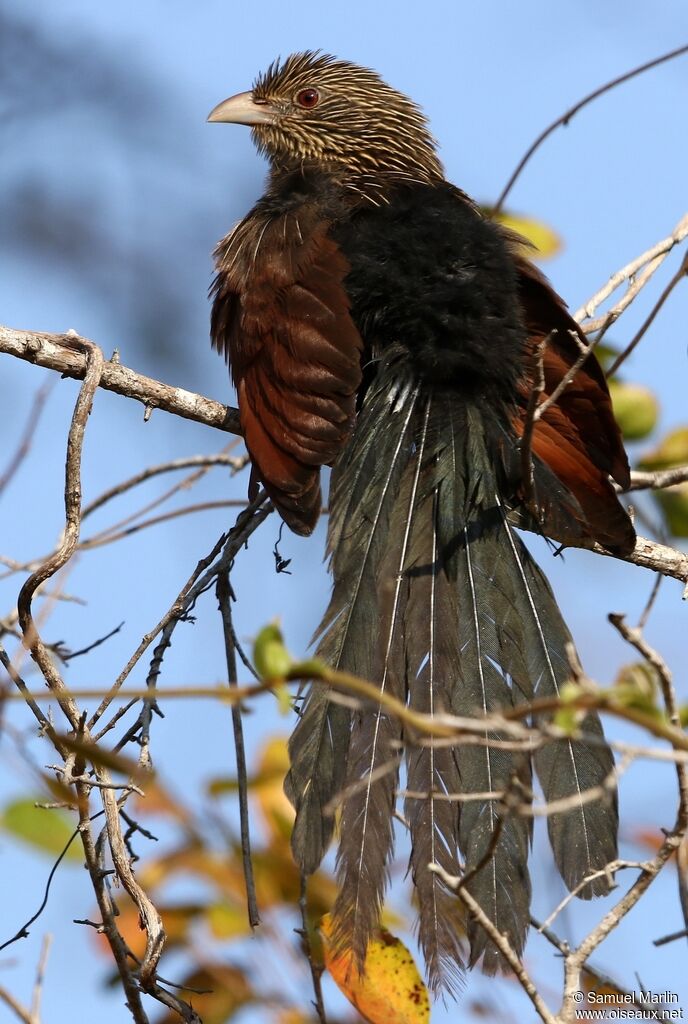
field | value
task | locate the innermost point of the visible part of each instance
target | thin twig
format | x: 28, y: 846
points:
x: 235, y: 462
x: 108, y: 914
x: 24, y: 446
x: 572, y: 111
x: 608, y: 871
x: 635, y: 638
x: 500, y: 941
x: 70, y: 655
x: 111, y: 536
x: 316, y: 969
x: 75, y: 440
x: 651, y: 260
x: 640, y: 334
x: 176, y: 609
x: 20, y: 1011
x: 23, y: 932
x: 40, y: 975
x: 224, y: 597
x: 673, y: 937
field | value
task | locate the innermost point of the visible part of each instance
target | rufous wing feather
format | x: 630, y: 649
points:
x: 283, y: 323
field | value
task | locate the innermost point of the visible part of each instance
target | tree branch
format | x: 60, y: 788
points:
x: 569, y: 114
x: 54, y: 352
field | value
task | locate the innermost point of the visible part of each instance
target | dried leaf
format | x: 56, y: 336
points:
x: 266, y: 786
x: 227, y: 921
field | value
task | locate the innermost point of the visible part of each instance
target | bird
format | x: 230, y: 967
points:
x: 378, y: 322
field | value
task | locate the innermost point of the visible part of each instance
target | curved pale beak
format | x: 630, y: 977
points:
x: 243, y: 109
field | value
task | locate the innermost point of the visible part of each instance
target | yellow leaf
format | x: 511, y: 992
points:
x: 541, y: 237
x: 273, y: 765
x: 227, y: 921
x: 390, y: 990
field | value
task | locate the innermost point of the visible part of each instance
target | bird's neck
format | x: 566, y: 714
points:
x: 352, y: 186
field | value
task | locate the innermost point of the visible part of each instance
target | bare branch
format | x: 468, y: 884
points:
x: 24, y: 446
x: 54, y: 352
x: 656, y: 481
x: 224, y: 598
x: 572, y: 111
x: 234, y: 462
x: 500, y: 941
x: 651, y: 260
x: 640, y: 334
x: 651, y: 554
x: 75, y: 440
x: 19, y: 1011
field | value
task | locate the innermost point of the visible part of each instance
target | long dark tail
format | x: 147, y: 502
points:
x: 436, y: 599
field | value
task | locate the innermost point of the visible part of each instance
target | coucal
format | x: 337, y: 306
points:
x: 377, y: 322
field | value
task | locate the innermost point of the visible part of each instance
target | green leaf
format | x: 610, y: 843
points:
x: 637, y: 686
x: 673, y: 502
x: 270, y: 656
x: 47, y: 830
x: 606, y: 354
x: 671, y: 451
x: 636, y: 409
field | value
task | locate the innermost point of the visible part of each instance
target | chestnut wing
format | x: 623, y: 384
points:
x: 577, y: 437
x: 281, y: 316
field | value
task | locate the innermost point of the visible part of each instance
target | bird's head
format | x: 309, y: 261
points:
x: 315, y: 110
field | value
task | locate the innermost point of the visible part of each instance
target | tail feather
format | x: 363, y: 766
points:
x: 367, y: 814
x: 487, y: 832
x: 583, y: 838
x: 437, y: 600
x: 319, y: 745
x: 432, y: 815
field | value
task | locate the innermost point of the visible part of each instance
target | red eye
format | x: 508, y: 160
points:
x: 308, y: 98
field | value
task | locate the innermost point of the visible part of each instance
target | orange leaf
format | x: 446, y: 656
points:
x: 389, y: 990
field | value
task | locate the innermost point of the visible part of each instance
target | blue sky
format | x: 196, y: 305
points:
x: 490, y: 77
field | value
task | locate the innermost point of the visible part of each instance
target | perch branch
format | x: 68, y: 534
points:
x: 54, y: 352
